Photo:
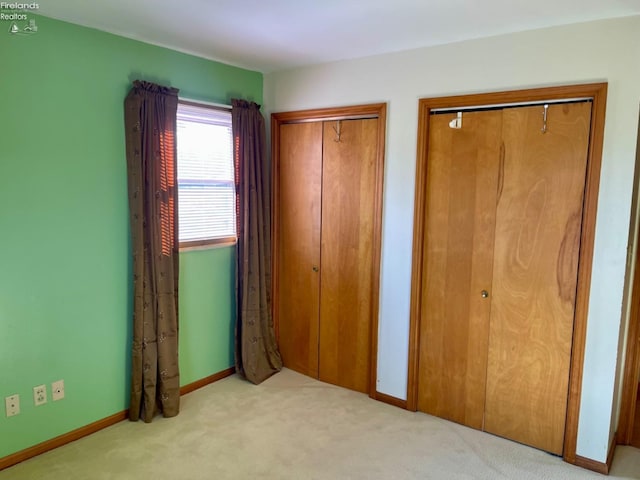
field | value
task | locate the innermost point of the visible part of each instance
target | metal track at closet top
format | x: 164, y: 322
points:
x: 498, y: 106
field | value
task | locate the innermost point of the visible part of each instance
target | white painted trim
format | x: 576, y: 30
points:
x: 202, y: 102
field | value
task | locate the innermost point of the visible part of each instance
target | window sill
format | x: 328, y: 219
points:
x: 207, y: 245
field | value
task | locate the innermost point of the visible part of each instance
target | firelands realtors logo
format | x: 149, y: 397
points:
x: 17, y: 15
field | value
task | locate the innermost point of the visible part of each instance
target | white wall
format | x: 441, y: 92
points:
x: 592, y: 52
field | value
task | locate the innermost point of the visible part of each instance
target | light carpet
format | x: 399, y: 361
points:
x: 294, y: 427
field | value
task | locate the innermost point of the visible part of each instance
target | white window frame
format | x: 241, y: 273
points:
x: 215, y: 118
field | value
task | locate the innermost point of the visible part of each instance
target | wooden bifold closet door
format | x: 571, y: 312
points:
x: 300, y: 189
x: 326, y: 212
x: 503, y: 222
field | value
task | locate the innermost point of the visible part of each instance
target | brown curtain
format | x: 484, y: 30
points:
x: 150, y: 123
x: 256, y: 352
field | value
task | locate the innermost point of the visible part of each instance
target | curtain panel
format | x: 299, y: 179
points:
x: 150, y: 123
x: 256, y: 352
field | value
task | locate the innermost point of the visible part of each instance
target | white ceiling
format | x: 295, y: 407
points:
x: 269, y: 35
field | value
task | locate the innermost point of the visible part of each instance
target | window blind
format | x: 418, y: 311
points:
x: 206, y: 188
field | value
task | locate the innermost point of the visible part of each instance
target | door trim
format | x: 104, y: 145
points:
x: 632, y: 365
x: 376, y: 110
x: 598, y: 93
x: 631, y: 374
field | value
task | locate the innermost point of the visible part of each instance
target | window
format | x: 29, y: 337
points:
x: 206, y: 188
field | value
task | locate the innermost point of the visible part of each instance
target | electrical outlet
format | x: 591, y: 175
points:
x: 57, y: 390
x: 12, y: 405
x: 39, y: 395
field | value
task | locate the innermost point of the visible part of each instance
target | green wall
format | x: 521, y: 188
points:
x: 65, y: 289
x: 207, y: 312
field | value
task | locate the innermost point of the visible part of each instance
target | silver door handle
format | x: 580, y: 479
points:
x: 484, y: 294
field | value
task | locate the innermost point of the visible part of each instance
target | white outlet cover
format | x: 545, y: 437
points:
x: 39, y: 395
x: 57, y: 390
x: 12, y: 405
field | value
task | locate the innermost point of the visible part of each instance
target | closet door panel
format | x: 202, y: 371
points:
x: 462, y: 183
x: 299, y: 213
x: 538, y: 224
x: 348, y: 189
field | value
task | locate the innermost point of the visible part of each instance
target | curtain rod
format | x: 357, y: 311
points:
x: 202, y: 102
